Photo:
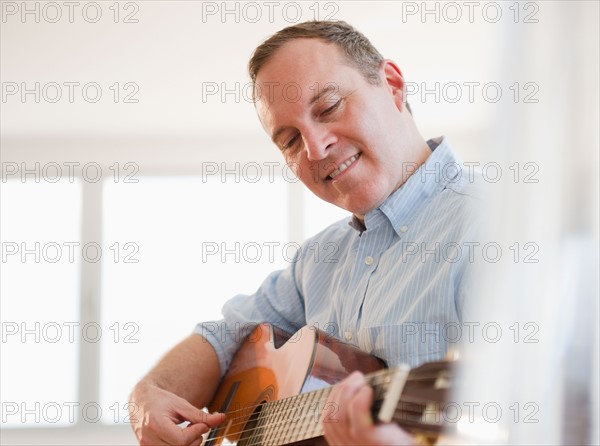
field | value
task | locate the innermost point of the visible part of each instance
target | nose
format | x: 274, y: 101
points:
x: 318, y: 140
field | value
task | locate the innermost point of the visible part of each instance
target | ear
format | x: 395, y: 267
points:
x: 395, y: 82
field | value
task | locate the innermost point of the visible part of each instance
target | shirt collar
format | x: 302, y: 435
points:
x: 440, y: 168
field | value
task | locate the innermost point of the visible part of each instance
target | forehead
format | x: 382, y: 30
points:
x: 301, y: 62
x: 299, y: 70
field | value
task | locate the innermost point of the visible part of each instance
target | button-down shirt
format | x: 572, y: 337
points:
x: 394, y: 286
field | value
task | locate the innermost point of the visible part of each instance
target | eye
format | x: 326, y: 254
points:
x: 291, y: 142
x: 332, y: 108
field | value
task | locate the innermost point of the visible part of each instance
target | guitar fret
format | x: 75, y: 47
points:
x: 258, y: 432
x: 254, y: 438
x: 322, y: 399
x: 282, y: 425
x: 301, y: 418
x: 273, y: 416
x: 281, y: 416
x: 289, y: 419
x: 306, y: 418
x: 312, y: 423
x: 267, y: 412
x: 266, y: 426
x: 276, y: 416
x: 296, y: 418
x: 285, y: 418
x: 281, y: 420
x: 318, y: 427
x: 314, y: 418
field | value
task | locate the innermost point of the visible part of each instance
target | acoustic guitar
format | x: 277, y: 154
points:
x: 275, y: 391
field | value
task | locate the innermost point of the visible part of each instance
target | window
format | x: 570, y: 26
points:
x: 41, y: 261
x: 99, y: 279
x: 181, y: 247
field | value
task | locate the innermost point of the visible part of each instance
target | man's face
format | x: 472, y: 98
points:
x: 342, y: 136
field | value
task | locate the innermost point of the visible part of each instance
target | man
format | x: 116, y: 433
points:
x: 348, y: 133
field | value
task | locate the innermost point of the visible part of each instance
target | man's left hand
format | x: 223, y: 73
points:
x: 351, y: 422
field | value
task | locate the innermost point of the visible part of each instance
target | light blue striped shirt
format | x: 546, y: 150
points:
x: 395, y: 289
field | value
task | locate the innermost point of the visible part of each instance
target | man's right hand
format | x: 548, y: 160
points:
x: 156, y: 413
x: 183, y: 380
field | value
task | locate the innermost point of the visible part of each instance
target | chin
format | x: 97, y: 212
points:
x: 364, y: 206
x: 360, y: 210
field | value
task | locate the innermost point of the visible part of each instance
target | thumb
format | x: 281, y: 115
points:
x: 211, y: 419
x: 198, y: 416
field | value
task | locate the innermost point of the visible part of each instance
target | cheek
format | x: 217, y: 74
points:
x: 295, y: 168
x: 305, y: 172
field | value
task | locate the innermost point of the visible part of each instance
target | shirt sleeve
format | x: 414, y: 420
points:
x: 278, y: 301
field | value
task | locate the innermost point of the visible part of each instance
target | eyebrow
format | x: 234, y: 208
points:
x: 331, y: 87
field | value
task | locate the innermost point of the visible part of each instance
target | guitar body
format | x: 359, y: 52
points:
x: 272, y: 365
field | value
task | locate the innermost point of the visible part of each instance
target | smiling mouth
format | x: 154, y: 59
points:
x: 343, y: 167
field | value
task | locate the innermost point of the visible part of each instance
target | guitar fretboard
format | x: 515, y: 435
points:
x: 301, y: 417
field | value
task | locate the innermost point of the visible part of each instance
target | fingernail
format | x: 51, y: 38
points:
x: 357, y: 376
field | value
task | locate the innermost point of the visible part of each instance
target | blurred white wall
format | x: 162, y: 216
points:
x: 507, y: 82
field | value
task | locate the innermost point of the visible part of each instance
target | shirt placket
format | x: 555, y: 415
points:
x: 370, y: 249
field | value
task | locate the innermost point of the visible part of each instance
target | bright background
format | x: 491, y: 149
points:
x: 157, y: 218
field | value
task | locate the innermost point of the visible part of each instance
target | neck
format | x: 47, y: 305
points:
x: 417, y: 157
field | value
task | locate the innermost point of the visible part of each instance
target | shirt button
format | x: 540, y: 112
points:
x: 404, y: 229
x: 348, y: 335
x: 369, y: 260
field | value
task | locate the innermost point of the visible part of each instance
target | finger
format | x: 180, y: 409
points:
x: 346, y: 389
x: 359, y: 409
x: 176, y: 435
x: 171, y: 433
x: 193, y: 432
x: 167, y: 428
x: 149, y: 432
x: 213, y: 419
x: 391, y: 434
x: 364, y: 431
x: 208, y: 419
x: 155, y: 441
x: 336, y: 431
x: 197, y: 442
x: 151, y: 438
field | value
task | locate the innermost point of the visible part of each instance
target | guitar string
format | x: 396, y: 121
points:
x: 285, y: 410
x: 372, y: 379
x: 374, y: 383
x: 268, y: 425
x: 299, y: 431
x: 300, y: 428
x: 302, y: 417
x: 270, y: 404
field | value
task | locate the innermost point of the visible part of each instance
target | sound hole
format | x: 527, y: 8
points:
x: 253, y: 432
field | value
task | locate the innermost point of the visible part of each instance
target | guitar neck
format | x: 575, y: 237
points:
x: 410, y: 398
